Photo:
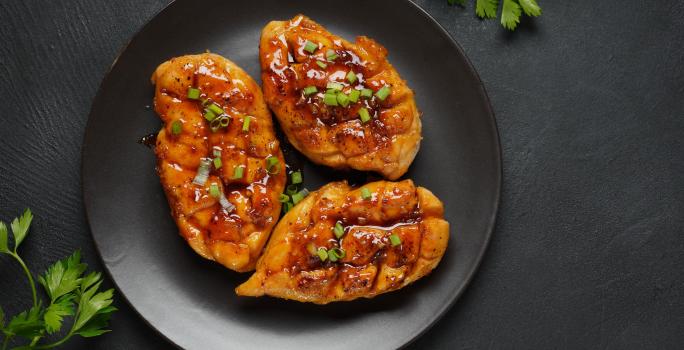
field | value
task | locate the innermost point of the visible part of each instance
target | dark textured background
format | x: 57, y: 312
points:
x: 588, y: 251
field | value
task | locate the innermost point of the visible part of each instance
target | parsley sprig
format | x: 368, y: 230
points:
x: 69, y: 294
x: 510, y: 11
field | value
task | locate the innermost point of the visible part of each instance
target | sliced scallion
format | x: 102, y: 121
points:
x: 217, y: 152
x: 176, y: 127
x: 335, y: 254
x: 296, y: 177
x: 291, y: 189
x: 322, y: 64
x: 364, y: 115
x: 283, y: 198
x: 322, y: 254
x: 310, y: 47
x: 224, y: 121
x: 215, y: 108
x: 351, y: 77
x: 209, y: 115
x: 354, y: 96
x: 338, y: 230
x: 193, y: 93
x: 383, y: 92
x: 272, y: 165
x: 238, y: 172
x: 365, y: 193
x: 334, y: 86
x: 330, y: 99
x: 368, y: 93
x: 287, y: 206
x: 245, y: 123
x: 214, y: 190
x: 202, y: 172
x: 297, y: 197
x: 343, y: 99
x: 218, y: 163
x: 331, y: 55
x: 395, y: 240
x: 309, y: 90
x: 225, y: 204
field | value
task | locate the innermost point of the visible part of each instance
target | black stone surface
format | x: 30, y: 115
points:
x: 589, y: 246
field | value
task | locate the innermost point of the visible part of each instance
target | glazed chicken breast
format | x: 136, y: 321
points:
x: 217, y: 157
x: 342, y: 243
x: 341, y: 104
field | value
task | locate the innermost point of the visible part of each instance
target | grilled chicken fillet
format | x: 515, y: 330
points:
x: 341, y: 104
x: 389, y: 235
x: 229, y: 216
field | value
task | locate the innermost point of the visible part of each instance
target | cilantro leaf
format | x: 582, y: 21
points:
x: 63, y: 276
x: 530, y: 7
x: 486, y: 8
x: 20, y: 227
x: 510, y: 14
x: 55, y: 313
x: 3, y: 238
x: 27, y: 324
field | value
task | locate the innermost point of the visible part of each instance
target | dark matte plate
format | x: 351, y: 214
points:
x: 191, y: 300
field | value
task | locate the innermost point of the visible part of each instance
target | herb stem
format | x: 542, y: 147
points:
x: 6, y: 341
x: 55, y: 344
x: 28, y: 274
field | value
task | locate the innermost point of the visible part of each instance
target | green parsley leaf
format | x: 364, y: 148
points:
x: 55, y: 313
x: 27, y: 324
x: 3, y: 238
x: 20, y: 227
x: 510, y: 14
x: 486, y: 8
x: 92, y: 303
x: 63, y: 277
x: 530, y: 7
x: 96, y: 325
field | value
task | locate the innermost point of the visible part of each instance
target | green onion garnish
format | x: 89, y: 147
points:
x: 272, y: 165
x: 365, y: 193
x: 214, y: 190
x: 217, y: 152
x: 367, y: 93
x: 283, y: 198
x: 237, y: 172
x: 215, y: 124
x: 215, y: 108
x: 330, y: 99
x: 224, y: 121
x: 354, y: 96
x: 291, y: 189
x: 335, y: 254
x: 343, y: 99
x: 322, y: 254
x: 334, y: 86
x: 310, y: 47
x: 218, y: 163
x: 176, y: 127
x: 395, y: 240
x: 287, y: 207
x: 351, y: 77
x: 339, y: 230
x: 331, y: 55
x: 245, y: 123
x: 383, y: 92
x: 364, y: 115
x: 193, y: 93
x: 309, y: 90
x: 321, y: 64
x: 297, y: 197
x: 296, y: 177
x: 202, y: 172
x: 209, y: 115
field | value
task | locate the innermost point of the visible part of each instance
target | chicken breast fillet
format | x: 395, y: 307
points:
x: 341, y: 104
x: 342, y: 243
x: 228, y: 215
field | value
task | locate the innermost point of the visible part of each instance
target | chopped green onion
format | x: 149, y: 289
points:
x: 176, y: 127
x: 225, y: 204
x: 364, y: 115
x: 296, y: 177
x: 217, y: 152
x: 215, y: 108
x: 367, y: 93
x: 245, y: 123
x: 291, y: 189
x: 383, y: 92
x: 339, y: 230
x: 215, y: 124
x: 331, y: 55
x: 202, y: 172
x: 218, y: 163
x: 209, y: 115
x: 310, y: 47
x: 272, y: 165
x: 322, y: 64
x: 224, y: 121
x: 330, y: 99
x: 214, y: 190
x: 351, y: 77
x: 237, y: 172
x: 310, y: 90
x: 193, y: 93
x: 354, y: 96
x: 283, y: 198
x: 322, y: 254
x: 343, y: 99
x: 297, y: 197
x: 365, y: 193
x: 335, y: 254
x: 334, y: 86
x: 287, y: 206
x: 395, y: 240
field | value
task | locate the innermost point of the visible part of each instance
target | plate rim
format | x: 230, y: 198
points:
x: 498, y: 169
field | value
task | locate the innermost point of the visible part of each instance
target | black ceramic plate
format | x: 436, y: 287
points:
x: 191, y: 300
